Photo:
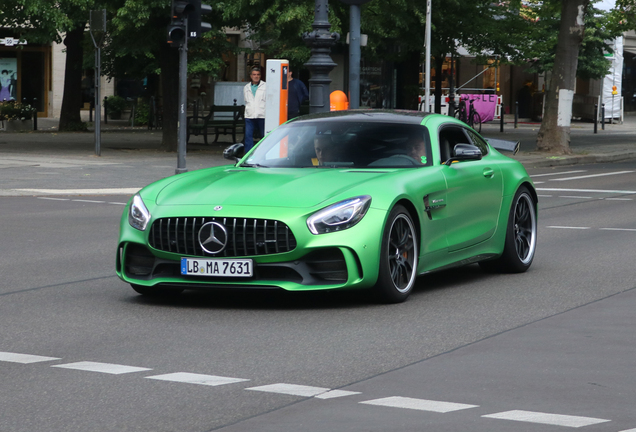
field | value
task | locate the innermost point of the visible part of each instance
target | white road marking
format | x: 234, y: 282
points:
x: 419, y: 404
x: 116, y: 203
x: 592, y: 175
x: 629, y: 430
x: 617, y: 229
x: 108, y: 191
x: 108, y: 368
x: 558, y: 173
x: 572, y: 196
x: 545, y: 418
x: 291, y: 389
x: 88, y: 201
x: 54, y: 199
x: 24, y: 358
x: 624, y: 192
x: 619, y: 199
x: 335, y: 394
x: 544, y: 196
x: 538, y: 182
x: 192, y: 378
x: 569, y: 227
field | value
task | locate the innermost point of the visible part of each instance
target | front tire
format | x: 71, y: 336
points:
x: 398, y: 258
x: 521, y: 236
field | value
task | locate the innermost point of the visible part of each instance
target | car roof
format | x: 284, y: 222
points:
x: 367, y: 115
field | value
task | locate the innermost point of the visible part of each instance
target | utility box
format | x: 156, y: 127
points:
x: 276, y: 94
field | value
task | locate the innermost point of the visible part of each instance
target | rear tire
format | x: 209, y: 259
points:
x: 521, y: 236
x: 398, y: 258
x: 156, y: 291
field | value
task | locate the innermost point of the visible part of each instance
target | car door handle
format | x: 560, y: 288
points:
x: 489, y: 172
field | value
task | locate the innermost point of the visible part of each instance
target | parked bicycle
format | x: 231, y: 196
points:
x: 469, y: 115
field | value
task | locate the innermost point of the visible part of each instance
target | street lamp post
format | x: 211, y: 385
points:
x: 354, y: 51
x: 320, y: 63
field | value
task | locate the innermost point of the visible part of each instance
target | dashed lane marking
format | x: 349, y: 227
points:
x: 419, y: 404
x: 592, y: 175
x: 617, y: 229
x: 622, y: 192
x: 336, y: 394
x: 24, y: 358
x: 558, y: 173
x: 108, y: 368
x: 545, y: 418
x: 569, y: 227
x: 192, y: 378
x: 291, y: 389
x: 106, y: 191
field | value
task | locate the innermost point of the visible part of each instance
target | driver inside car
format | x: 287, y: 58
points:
x: 326, y: 150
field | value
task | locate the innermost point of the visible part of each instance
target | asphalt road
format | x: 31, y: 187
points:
x: 547, y: 350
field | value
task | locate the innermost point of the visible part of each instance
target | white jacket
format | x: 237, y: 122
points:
x: 254, y: 105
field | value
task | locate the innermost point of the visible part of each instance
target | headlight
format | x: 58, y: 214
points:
x: 339, y: 216
x: 138, y: 214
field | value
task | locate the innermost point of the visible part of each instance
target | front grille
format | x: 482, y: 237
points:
x: 246, y: 237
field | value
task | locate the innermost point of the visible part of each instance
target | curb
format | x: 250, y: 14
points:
x: 550, y: 161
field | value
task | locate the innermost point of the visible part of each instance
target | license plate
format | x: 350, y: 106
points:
x: 217, y: 267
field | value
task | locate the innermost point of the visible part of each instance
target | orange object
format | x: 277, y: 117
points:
x: 338, y: 101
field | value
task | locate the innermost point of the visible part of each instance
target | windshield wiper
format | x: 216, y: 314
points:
x: 254, y: 165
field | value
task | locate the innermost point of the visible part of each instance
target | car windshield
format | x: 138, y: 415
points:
x: 343, y: 144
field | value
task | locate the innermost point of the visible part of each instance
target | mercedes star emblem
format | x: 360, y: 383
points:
x: 213, y: 237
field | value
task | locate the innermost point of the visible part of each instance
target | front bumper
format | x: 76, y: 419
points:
x: 346, y: 259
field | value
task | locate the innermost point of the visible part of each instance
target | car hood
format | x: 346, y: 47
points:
x: 297, y: 188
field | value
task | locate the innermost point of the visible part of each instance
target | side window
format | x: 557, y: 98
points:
x: 449, y: 137
x: 478, y: 141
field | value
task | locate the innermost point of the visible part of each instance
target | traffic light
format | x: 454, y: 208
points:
x: 195, y: 26
x: 192, y: 10
x: 178, y: 28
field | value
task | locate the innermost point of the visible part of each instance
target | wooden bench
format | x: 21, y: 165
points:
x: 221, y: 120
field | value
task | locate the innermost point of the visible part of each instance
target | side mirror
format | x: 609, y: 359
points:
x: 234, y: 152
x: 464, y: 152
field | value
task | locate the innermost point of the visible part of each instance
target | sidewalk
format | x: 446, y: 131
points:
x: 139, y: 146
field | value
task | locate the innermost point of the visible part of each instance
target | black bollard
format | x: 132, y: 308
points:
x: 501, y: 118
x: 603, y: 116
x: 105, y: 110
x: 516, y: 114
x: 35, y: 114
x: 595, y: 118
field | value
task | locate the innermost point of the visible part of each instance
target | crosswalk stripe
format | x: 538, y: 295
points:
x: 291, y: 389
x: 419, y: 404
x: 108, y: 368
x: 24, y: 358
x: 545, y: 418
x: 192, y: 378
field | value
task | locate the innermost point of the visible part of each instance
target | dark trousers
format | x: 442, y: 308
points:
x: 250, y: 124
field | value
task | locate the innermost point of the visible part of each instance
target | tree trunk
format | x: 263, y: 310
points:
x: 170, y: 90
x: 70, y: 119
x: 554, y: 135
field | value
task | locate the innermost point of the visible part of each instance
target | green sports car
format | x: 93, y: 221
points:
x: 351, y: 199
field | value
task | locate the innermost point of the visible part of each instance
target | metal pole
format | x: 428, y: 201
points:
x: 354, y: 57
x: 516, y: 114
x: 595, y: 118
x: 35, y: 114
x: 98, y: 108
x: 427, y: 87
x: 183, y: 100
x: 501, y: 118
x: 451, y: 90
